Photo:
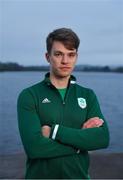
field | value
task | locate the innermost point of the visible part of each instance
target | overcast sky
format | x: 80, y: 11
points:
x: 24, y: 25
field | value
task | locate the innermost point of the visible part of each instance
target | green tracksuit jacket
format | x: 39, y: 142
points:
x: 65, y: 155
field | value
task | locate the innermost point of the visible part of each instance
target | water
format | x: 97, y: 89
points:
x: 108, y: 87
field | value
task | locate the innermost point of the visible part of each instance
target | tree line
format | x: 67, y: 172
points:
x: 11, y: 66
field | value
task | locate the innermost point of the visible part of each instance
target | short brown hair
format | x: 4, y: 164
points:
x: 65, y: 36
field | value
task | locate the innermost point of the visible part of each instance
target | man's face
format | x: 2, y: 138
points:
x: 62, y: 60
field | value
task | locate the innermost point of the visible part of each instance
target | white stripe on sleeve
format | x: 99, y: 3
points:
x: 55, y: 131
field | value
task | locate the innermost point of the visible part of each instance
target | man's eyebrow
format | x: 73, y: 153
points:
x: 58, y: 51
x: 72, y: 52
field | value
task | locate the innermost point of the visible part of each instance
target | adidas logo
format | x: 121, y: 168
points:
x: 46, y: 101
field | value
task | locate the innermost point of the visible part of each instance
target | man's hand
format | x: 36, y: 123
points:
x: 46, y: 131
x: 93, y: 122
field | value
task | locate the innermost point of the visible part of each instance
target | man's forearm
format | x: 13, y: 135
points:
x: 90, y: 123
x: 93, y: 136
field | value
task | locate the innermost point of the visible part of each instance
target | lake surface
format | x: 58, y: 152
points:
x: 109, y: 90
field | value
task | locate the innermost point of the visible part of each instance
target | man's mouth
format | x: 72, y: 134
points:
x: 65, y: 68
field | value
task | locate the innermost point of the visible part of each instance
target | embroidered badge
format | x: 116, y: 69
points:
x: 82, y: 102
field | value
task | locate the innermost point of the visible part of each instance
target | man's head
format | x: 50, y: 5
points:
x: 62, y: 47
x: 64, y: 35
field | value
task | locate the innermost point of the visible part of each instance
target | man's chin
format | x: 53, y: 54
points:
x: 63, y: 75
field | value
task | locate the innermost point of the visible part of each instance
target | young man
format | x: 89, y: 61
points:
x: 60, y: 121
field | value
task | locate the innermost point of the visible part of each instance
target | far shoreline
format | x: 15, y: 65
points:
x: 15, y: 67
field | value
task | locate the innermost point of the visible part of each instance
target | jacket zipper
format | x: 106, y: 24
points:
x: 63, y: 101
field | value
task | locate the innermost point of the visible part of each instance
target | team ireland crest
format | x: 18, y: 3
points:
x: 82, y: 102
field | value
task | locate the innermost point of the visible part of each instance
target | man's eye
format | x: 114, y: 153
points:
x: 72, y: 55
x: 58, y: 54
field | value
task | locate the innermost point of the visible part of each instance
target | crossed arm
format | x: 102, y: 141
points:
x: 92, y: 135
x: 90, y: 123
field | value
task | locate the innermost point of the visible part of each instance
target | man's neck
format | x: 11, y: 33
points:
x: 59, y: 82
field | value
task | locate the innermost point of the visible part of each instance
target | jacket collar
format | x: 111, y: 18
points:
x: 72, y: 79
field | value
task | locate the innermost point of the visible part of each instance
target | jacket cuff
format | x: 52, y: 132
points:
x: 54, y: 130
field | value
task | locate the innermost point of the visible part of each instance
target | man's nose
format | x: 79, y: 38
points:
x: 64, y: 59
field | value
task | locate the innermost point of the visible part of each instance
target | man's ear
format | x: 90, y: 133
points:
x: 47, y: 57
